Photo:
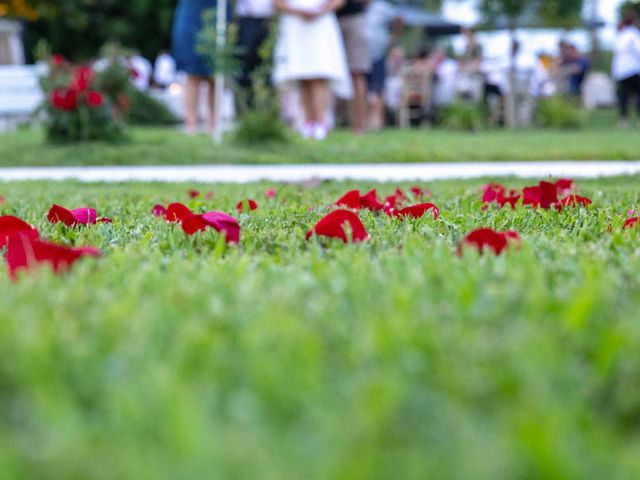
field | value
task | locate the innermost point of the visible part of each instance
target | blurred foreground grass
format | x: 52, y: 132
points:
x: 175, y: 357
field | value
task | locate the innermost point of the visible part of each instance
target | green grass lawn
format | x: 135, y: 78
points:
x: 599, y: 141
x: 180, y: 357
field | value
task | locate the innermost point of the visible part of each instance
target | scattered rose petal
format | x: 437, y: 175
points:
x: 250, y: 203
x: 219, y: 221
x: 496, y: 193
x: 159, y: 210
x: 629, y: 223
x: 484, y: 238
x: 25, y: 253
x: 177, y: 212
x: 11, y: 226
x: 350, y: 199
x: 544, y: 195
x: 1, y: 199
x: 574, y: 201
x: 271, y: 193
x: 418, y: 211
x: 193, y: 193
x: 564, y: 186
x: 370, y: 201
x: 420, y: 192
x: 71, y: 218
x: 334, y: 225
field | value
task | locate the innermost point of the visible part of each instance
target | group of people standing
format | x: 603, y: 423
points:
x: 322, y: 47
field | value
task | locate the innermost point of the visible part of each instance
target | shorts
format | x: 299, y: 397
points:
x: 377, y: 76
x: 356, y: 44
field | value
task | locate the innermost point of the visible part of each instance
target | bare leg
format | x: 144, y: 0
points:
x: 191, y: 101
x: 376, y: 112
x: 306, y: 99
x: 359, y: 102
x: 319, y: 100
x: 211, y: 104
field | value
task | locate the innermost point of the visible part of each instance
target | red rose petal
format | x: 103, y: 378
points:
x: 370, y: 201
x: 159, y: 210
x: 271, y: 193
x: 574, y: 201
x: 25, y: 253
x: 193, y: 193
x: 629, y: 223
x: 251, y: 203
x: 219, y: 221
x: 177, y: 212
x: 350, y: 199
x: 333, y: 226
x: 418, y: 211
x: 11, y: 226
x: 78, y: 216
x: 484, y: 238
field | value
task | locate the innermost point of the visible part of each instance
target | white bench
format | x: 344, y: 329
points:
x: 20, y: 93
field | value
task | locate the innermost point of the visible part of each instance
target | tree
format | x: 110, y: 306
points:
x: 548, y: 13
x: 79, y: 28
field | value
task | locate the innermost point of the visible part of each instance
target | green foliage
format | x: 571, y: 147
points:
x: 463, y: 117
x: 558, y: 112
x: 630, y: 5
x: 79, y: 28
x: 260, y: 126
x: 146, y: 110
x: 175, y: 357
x: 562, y: 13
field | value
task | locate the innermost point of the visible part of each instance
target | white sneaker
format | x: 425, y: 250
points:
x: 320, y: 132
x: 307, y: 131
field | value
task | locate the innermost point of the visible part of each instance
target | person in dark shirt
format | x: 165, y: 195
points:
x: 352, y: 17
x: 576, y: 66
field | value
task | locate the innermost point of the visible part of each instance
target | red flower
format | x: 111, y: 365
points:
x: 25, y: 252
x: 11, y: 226
x: 271, y: 193
x: 417, y: 211
x: 219, y: 221
x: 333, y: 226
x: 81, y: 79
x: 193, y: 193
x: 354, y: 200
x: 64, y: 99
x: 57, y: 60
x: 251, y: 204
x: 94, y: 99
x: 574, y: 201
x: 487, y: 238
x: 71, y: 218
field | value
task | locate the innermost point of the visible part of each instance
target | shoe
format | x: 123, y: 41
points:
x: 320, y: 132
x: 307, y: 131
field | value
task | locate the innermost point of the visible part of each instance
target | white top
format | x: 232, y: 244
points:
x: 164, y: 71
x: 254, y: 8
x: 626, y: 53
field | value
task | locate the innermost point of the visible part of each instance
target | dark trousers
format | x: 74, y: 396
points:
x: 252, y: 32
x: 627, y: 88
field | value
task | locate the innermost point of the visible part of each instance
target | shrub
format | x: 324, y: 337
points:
x: 558, y: 112
x: 77, y: 105
x: 146, y: 110
x: 259, y: 126
x: 463, y: 116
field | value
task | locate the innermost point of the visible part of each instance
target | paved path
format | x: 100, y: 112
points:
x: 297, y: 173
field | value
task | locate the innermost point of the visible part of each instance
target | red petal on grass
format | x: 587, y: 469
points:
x: 177, y: 212
x: 1, y: 199
x: 105, y: 220
x: 251, y: 203
x: 418, y: 211
x: 370, y: 201
x: 564, y: 186
x: 78, y: 216
x: 334, y: 226
x: 11, y: 226
x: 25, y: 253
x: 484, y: 238
x: 271, y: 193
x: 574, y: 201
x: 159, y: 210
x: 350, y: 199
x: 491, y: 192
x: 420, y: 192
x: 548, y: 194
x: 629, y: 223
x: 193, y: 193
x: 219, y: 221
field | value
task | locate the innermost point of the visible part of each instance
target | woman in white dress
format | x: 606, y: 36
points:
x: 310, y: 52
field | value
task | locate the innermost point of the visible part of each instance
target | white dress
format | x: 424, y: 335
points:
x: 311, y: 50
